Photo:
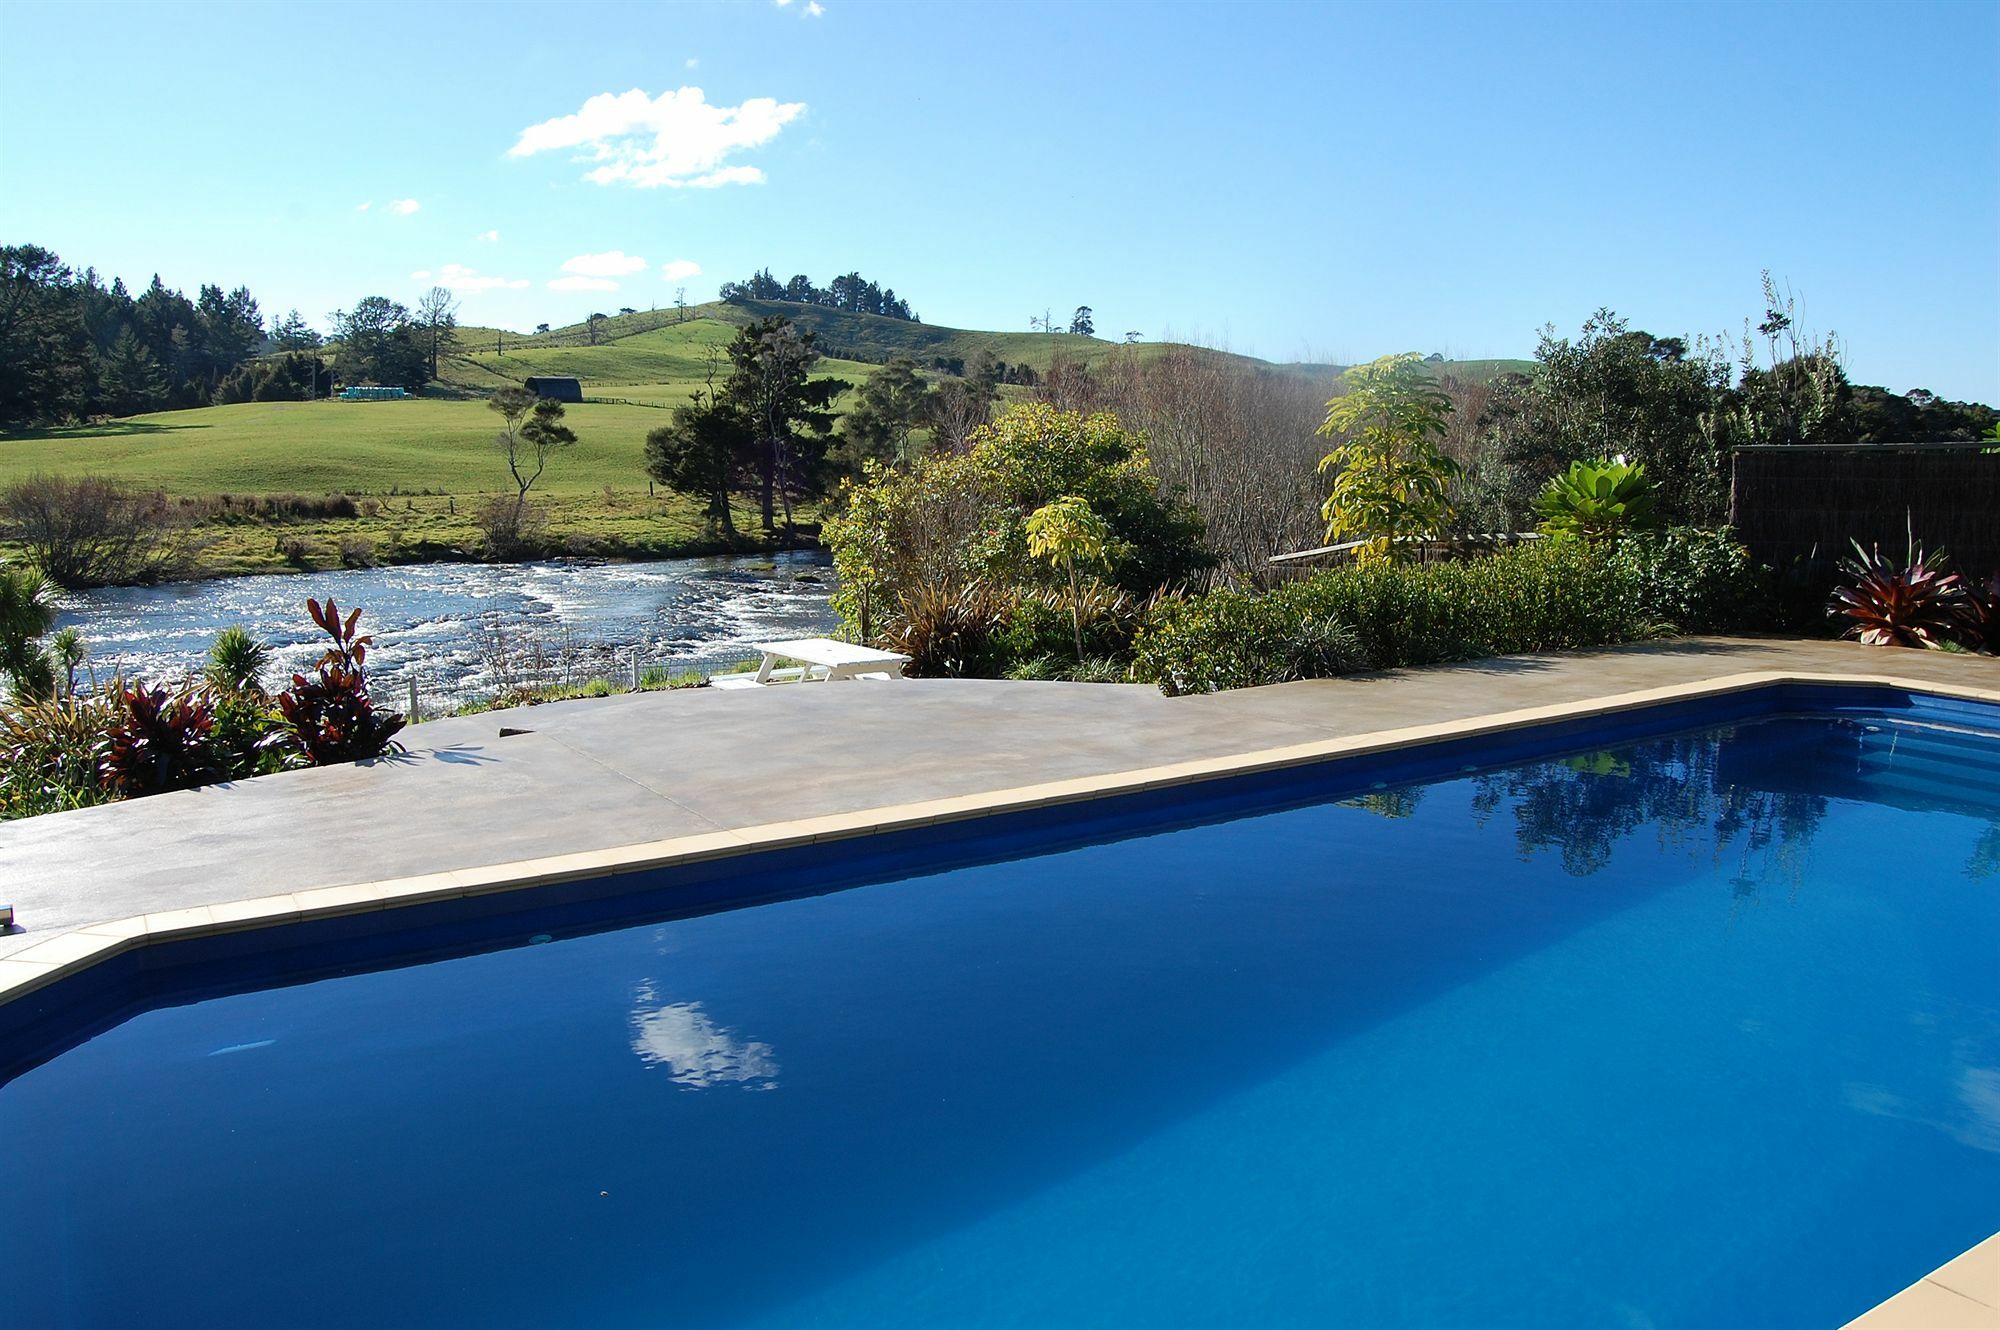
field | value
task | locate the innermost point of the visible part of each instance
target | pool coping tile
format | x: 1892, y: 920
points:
x: 1927, y: 1305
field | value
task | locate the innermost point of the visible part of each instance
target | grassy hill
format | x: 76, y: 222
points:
x: 415, y: 446
x: 872, y: 339
x: 658, y: 366
x: 427, y: 463
x: 867, y: 338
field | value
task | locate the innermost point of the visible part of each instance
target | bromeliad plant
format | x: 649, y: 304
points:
x: 328, y: 716
x: 1598, y: 501
x: 1982, y: 616
x: 1921, y: 604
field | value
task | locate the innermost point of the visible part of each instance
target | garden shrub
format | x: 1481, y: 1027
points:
x: 1550, y: 596
x: 1230, y: 639
x: 48, y: 754
x: 950, y: 629
x: 1696, y: 580
x: 954, y: 519
x: 241, y: 728
x: 1039, y: 624
x: 159, y: 740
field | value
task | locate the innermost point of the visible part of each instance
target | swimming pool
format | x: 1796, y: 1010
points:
x: 1688, y: 1028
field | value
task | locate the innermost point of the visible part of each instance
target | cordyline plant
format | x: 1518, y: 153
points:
x: 328, y: 716
x: 1921, y: 604
x: 159, y: 741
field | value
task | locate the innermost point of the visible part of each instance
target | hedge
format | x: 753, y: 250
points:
x: 1549, y: 596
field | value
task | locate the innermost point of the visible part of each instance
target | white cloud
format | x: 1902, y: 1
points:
x: 728, y: 175
x: 694, y: 1051
x: 611, y: 263
x: 690, y: 62
x: 582, y: 284
x: 680, y: 270
x: 489, y: 236
x: 676, y: 139
x: 404, y: 207
x: 364, y: 207
x: 814, y: 9
x: 466, y: 280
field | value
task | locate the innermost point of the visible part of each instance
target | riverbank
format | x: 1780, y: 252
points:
x: 251, y: 535
x: 467, y: 633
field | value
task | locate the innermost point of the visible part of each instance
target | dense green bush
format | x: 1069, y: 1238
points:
x: 1230, y: 639
x: 957, y: 518
x: 1692, y: 580
x: 1039, y: 624
x: 1545, y: 597
x: 1549, y: 596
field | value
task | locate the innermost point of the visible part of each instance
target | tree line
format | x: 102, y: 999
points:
x: 73, y: 347
x: 1681, y: 406
x: 851, y: 292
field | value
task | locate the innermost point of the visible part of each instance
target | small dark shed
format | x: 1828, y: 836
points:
x: 561, y: 389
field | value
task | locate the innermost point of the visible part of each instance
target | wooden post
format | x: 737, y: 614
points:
x: 413, y: 699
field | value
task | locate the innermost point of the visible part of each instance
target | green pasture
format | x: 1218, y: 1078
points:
x: 422, y: 444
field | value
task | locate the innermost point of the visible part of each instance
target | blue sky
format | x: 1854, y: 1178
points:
x: 1292, y: 181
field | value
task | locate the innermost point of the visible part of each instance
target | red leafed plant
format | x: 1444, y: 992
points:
x: 159, y: 741
x: 1982, y: 616
x: 328, y: 715
x: 1918, y: 605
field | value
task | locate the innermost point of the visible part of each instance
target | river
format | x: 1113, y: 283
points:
x: 469, y: 631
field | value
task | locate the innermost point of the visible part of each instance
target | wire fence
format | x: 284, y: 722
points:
x: 524, y: 669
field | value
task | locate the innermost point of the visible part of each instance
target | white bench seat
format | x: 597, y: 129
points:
x: 825, y: 661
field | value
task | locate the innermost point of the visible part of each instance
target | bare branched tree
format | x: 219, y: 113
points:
x: 90, y: 531
x: 1235, y: 438
x: 437, y: 317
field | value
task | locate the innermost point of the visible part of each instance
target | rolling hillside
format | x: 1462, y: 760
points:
x: 642, y: 364
x: 873, y: 339
x: 422, y: 468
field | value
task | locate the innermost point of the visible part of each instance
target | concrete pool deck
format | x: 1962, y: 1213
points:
x: 604, y: 786
x: 588, y: 777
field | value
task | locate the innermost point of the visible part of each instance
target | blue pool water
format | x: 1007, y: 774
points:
x: 1699, y: 1030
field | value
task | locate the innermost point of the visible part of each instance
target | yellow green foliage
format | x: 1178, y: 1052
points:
x: 954, y: 517
x: 1391, y: 482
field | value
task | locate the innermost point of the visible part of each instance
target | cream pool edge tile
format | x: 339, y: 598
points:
x: 1927, y: 1306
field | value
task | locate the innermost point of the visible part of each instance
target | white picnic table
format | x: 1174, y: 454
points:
x: 821, y: 660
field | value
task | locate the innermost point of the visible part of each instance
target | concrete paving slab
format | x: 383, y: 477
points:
x: 597, y: 774
x: 461, y: 804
